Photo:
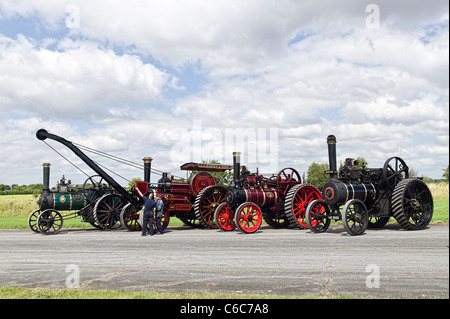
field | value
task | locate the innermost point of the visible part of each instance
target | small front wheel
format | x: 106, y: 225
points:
x: 248, y: 217
x: 224, y: 217
x: 355, y: 217
x: 316, y: 216
x: 32, y: 220
x: 49, y: 222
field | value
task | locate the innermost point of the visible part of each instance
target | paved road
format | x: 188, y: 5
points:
x: 389, y: 262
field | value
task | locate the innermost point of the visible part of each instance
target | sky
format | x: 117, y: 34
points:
x: 190, y: 80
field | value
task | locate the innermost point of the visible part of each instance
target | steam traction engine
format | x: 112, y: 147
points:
x: 281, y: 200
x: 193, y: 202
x: 370, y: 196
x: 107, y: 205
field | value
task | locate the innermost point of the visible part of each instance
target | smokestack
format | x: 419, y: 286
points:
x: 46, y: 174
x: 147, y: 168
x: 237, y: 168
x: 331, y: 141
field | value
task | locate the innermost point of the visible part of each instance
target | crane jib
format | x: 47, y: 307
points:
x: 42, y: 134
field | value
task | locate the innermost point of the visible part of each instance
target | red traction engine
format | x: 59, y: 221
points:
x: 193, y: 201
x: 280, y: 200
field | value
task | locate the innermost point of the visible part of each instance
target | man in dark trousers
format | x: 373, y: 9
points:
x: 149, y: 209
x: 159, y: 213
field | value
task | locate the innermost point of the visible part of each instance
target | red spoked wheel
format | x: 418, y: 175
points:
x: 129, y: 217
x: 248, y: 217
x: 297, y: 200
x: 224, y: 217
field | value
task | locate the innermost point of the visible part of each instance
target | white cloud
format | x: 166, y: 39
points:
x: 387, y: 109
x: 307, y: 69
x: 74, y: 82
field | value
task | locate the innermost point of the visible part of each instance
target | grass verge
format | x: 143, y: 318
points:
x: 44, y: 293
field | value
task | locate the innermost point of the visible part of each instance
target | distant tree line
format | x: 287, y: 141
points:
x: 16, y: 189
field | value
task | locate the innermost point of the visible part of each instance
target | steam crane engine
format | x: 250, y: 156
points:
x: 370, y: 196
x: 99, y: 202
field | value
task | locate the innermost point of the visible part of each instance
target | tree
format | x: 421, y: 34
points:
x: 316, y: 174
x: 445, y: 175
x: 4, y: 187
x: 133, y: 181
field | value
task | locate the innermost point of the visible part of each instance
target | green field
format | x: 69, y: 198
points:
x: 15, y: 209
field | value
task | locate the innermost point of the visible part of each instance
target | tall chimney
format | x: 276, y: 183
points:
x: 46, y: 174
x: 237, y: 168
x: 331, y: 141
x: 147, y: 168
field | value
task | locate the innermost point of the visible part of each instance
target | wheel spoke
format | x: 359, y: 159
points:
x: 206, y: 203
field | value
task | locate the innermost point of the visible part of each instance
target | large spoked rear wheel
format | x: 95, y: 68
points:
x: 355, y: 217
x: 316, y: 216
x: 107, y: 211
x: 297, y: 200
x: 412, y: 204
x: 206, y: 203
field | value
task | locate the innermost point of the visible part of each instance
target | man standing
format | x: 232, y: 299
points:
x: 159, y: 213
x: 149, y: 209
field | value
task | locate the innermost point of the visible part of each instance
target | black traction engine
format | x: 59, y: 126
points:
x: 370, y: 196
